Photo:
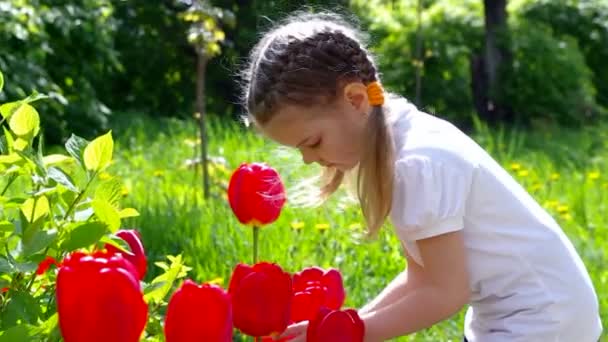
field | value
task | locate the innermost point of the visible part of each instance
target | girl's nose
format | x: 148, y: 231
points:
x: 307, y: 156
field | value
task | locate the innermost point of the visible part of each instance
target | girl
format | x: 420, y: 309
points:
x: 471, y: 234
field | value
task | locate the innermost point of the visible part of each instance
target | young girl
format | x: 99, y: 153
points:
x: 471, y: 234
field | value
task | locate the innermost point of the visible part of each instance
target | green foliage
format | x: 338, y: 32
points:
x: 51, y: 205
x: 65, y: 50
x: 555, y: 69
x: 452, y: 32
x: 549, y: 79
x: 584, y: 20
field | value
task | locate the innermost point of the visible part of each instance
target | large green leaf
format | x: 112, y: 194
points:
x: 21, y: 307
x: 62, y: 178
x: 84, y: 235
x: 98, y: 153
x: 109, y: 191
x: 35, y: 208
x: 36, y: 239
x: 107, y: 214
x: 75, y: 147
x: 24, y: 121
x: 158, y: 289
x: 17, y: 333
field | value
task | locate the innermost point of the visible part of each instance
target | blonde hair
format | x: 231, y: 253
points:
x: 307, y: 59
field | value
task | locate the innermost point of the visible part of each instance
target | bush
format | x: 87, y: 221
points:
x: 548, y: 78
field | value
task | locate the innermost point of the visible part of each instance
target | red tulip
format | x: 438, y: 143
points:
x: 261, y: 299
x: 199, y: 313
x: 256, y: 194
x: 336, y: 326
x: 314, y: 288
x: 137, y: 255
x: 45, y: 264
x: 99, y: 299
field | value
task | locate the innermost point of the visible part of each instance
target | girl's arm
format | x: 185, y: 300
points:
x: 403, y: 283
x: 443, y: 292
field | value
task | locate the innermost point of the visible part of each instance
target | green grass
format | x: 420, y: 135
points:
x: 566, y: 171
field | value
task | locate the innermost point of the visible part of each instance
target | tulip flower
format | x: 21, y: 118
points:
x: 199, y: 313
x: 314, y: 288
x: 336, y: 326
x: 256, y: 195
x: 99, y: 299
x: 45, y: 264
x: 261, y: 299
x: 137, y: 255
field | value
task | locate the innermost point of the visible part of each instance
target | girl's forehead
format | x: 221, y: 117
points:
x: 293, y: 123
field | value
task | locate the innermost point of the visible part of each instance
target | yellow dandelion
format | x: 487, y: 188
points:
x: 593, y: 175
x: 104, y: 175
x: 523, y: 173
x: 297, y: 225
x: 322, y: 226
x: 159, y: 173
x: 537, y: 186
x: 216, y: 281
x: 515, y: 166
x: 566, y: 217
x: 562, y: 209
x: 551, y: 204
x: 554, y: 176
x: 125, y: 191
x: 192, y: 142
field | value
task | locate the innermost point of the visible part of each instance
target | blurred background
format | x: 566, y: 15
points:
x: 527, y: 79
x: 526, y: 62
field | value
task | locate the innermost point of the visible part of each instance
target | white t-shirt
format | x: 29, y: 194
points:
x: 527, y: 281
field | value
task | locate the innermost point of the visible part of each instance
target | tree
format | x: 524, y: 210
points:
x: 486, y: 70
x: 205, y: 34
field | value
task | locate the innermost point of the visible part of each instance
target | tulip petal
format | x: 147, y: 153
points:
x: 199, y: 313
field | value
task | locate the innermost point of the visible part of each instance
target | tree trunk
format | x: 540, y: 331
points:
x: 201, y: 67
x: 486, y: 70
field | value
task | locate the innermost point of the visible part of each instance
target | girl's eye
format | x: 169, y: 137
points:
x: 316, y: 144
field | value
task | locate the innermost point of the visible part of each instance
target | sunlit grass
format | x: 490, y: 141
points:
x: 566, y: 171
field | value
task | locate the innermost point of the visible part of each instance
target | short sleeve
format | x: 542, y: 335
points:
x: 430, y: 195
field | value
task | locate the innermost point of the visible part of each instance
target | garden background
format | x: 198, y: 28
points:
x: 156, y: 72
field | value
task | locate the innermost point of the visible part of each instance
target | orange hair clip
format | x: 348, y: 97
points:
x: 375, y: 93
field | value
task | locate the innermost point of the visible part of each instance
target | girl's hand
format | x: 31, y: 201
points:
x: 295, y: 332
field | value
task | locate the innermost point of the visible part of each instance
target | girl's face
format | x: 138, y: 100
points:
x: 331, y: 136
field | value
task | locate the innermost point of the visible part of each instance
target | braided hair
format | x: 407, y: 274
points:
x: 308, y: 59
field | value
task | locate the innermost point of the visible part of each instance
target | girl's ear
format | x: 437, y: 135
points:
x: 355, y: 93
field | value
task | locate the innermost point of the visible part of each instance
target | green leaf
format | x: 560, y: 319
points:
x: 98, y: 153
x: 107, y: 214
x: 1, y: 81
x: 75, y: 147
x: 62, y: 178
x: 109, y: 191
x: 25, y: 121
x: 5, y: 266
x: 17, y: 333
x: 35, y: 239
x: 116, y: 242
x: 21, y: 307
x: 54, y: 159
x: 128, y: 212
x: 84, y: 235
x: 8, y: 136
x: 158, y: 289
x: 35, y: 208
x: 6, y: 226
x: 49, y: 328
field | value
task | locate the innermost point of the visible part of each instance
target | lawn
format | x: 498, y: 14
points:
x: 565, y: 170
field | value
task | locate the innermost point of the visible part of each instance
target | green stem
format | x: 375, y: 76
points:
x: 10, y: 181
x: 256, y: 233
